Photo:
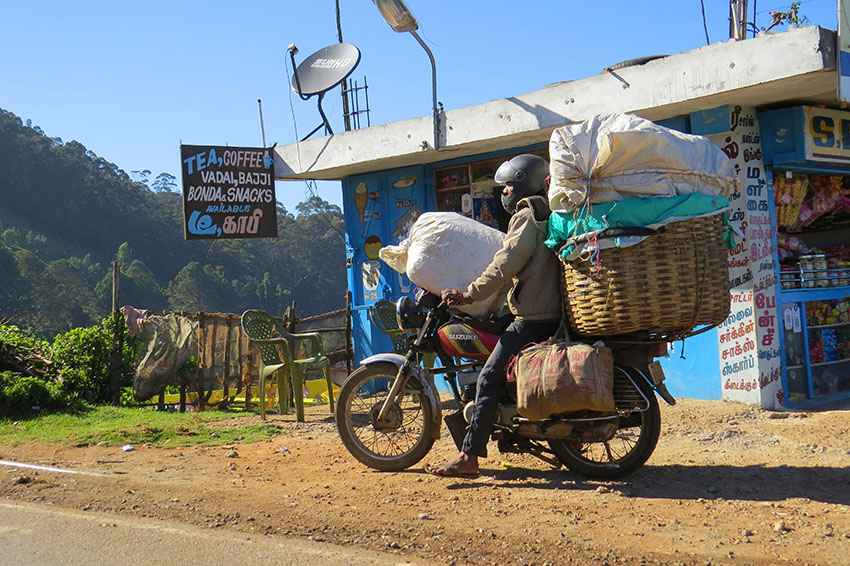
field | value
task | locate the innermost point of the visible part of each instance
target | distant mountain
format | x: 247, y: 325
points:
x: 66, y: 214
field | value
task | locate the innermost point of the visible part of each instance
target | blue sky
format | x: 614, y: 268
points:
x: 131, y: 81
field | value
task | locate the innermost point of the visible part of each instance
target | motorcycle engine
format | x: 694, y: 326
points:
x: 504, y: 417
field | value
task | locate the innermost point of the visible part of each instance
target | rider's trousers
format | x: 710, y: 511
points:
x: 492, y: 379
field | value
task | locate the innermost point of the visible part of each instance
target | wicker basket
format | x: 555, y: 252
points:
x: 666, y: 285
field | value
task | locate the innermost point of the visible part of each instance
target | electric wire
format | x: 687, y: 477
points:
x: 312, y: 190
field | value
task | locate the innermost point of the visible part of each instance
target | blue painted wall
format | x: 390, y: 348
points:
x: 379, y: 209
x: 693, y: 367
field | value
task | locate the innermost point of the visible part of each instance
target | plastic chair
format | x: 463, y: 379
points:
x: 278, y: 349
x: 382, y: 315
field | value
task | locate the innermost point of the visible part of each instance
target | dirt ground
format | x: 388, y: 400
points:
x: 728, y: 484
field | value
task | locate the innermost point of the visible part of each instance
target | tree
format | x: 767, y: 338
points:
x: 142, y: 176
x: 164, y: 183
x: 200, y: 288
x: 90, y: 208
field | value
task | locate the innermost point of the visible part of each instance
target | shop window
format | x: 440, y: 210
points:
x: 813, y: 221
x: 813, y: 233
x: 469, y: 189
x: 822, y: 346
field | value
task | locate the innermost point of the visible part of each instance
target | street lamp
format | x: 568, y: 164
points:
x: 399, y: 18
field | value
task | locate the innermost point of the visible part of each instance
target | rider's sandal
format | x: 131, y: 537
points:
x: 449, y: 471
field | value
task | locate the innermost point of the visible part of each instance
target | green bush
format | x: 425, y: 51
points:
x: 20, y: 394
x: 84, y: 359
x: 21, y: 352
x: 27, y: 374
x: 74, y: 371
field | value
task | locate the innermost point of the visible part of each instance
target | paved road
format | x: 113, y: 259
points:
x: 42, y: 535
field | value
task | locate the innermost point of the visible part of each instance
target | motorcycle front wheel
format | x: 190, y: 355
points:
x: 403, y: 438
x: 629, y: 448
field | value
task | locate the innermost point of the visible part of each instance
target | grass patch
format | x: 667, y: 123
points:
x: 116, y: 426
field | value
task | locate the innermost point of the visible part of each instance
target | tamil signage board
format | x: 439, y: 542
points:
x: 228, y: 192
x: 827, y: 134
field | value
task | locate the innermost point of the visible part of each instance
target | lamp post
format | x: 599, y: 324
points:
x: 399, y: 18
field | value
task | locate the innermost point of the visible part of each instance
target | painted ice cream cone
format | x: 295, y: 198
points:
x: 361, y: 198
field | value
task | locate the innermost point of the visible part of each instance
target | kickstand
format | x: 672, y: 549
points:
x: 528, y: 447
x: 539, y: 452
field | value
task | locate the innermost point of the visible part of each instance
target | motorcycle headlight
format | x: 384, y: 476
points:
x: 407, y: 314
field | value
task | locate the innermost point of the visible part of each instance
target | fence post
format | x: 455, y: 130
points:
x: 114, y: 388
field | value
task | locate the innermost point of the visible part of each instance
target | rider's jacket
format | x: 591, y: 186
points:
x: 528, y: 264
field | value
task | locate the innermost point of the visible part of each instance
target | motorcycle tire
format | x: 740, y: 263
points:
x: 621, y: 455
x: 396, y: 445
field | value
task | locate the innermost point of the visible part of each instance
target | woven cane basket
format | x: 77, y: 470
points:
x: 666, y: 285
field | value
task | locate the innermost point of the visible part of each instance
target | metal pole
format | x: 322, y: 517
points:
x: 345, y: 110
x: 262, y: 127
x: 349, y: 350
x: 433, y: 89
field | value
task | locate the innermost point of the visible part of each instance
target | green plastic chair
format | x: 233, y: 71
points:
x: 382, y: 315
x: 278, y: 349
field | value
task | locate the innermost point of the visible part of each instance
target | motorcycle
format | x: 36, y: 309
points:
x: 388, y: 411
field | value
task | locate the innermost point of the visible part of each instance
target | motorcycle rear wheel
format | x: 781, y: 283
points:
x: 400, y: 442
x: 629, y: 449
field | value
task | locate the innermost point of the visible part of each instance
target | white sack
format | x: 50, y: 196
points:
x: 446, y: 250
x: 619, y: 156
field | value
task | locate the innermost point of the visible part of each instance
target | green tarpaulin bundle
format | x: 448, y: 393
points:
x: 649, y: 212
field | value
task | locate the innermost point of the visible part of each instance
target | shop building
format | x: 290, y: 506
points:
x: 770, y: 103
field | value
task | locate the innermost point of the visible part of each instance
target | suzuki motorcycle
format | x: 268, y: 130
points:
x: 389, y: 412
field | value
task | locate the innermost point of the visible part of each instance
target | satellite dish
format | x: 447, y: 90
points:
x: 322, y: 71
x: 325, y: 69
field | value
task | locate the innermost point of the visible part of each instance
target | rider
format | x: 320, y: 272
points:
x: 534, y: 297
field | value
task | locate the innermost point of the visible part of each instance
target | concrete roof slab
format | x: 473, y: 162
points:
x: 793, y: 67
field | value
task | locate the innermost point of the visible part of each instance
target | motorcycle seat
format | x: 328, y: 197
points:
x: 496, y: 324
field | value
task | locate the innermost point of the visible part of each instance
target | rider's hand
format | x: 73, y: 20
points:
x: 454, y: 297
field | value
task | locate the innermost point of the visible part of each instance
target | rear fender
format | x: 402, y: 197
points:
x: 427, y: 386
x: 653, y: 375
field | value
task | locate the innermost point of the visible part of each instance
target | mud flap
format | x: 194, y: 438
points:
x: 457, y: 427
x: 656, y: 374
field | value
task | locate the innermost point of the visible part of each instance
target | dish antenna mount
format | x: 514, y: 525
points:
x: 322, y: 71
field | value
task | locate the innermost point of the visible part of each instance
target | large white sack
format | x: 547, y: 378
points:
x: 446, y: 250
x: 619, y: 156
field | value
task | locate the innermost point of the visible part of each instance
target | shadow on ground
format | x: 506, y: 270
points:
x: 745, y: 483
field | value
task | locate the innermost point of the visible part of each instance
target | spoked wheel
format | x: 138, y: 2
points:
x: 398, y: 441
x: 629, y: 448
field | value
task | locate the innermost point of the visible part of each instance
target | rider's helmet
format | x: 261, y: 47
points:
x: 526, y: 173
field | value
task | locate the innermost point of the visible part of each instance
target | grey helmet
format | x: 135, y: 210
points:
x: 527, y: 174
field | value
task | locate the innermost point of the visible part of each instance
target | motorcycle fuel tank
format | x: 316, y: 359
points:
x: 467, y: 342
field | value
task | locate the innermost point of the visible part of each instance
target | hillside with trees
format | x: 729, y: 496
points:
x: 66, y: 214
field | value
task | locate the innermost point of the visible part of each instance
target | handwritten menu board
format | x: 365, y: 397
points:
x: 228, y: 192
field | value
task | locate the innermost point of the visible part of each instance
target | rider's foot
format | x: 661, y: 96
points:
x: 463, y: 465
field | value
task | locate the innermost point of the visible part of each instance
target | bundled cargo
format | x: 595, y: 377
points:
x: 619, y: 156
x: 638, y: 223
x: 446, y: 250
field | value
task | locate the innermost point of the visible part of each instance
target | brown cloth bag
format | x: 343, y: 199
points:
x: 560, y: 377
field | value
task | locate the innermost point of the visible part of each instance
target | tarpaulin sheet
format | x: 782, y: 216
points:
x: 650, y: 212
